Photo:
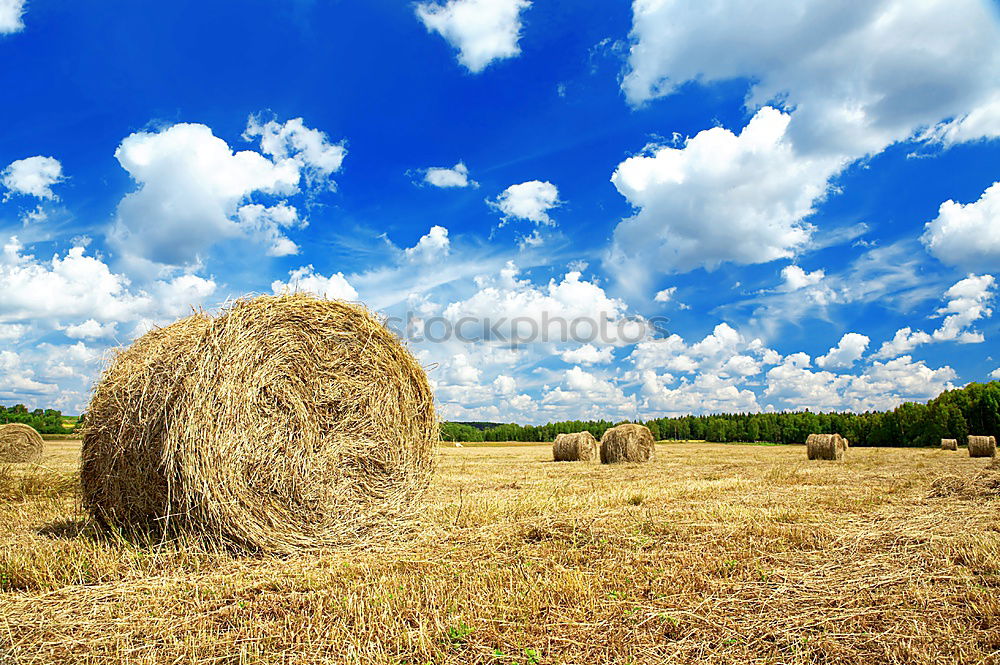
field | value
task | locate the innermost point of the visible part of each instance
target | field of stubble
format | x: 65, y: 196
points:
x: 710, y: 554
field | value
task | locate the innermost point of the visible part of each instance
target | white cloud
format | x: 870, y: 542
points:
x: 431, y: 247
x: 848, y: 351
x: 33, y: 176
x: 91, y: 329
x: 266, y: 225
x: 481, y: 30
x: 504, y: 385
x: 191, y: 185
x: 968, y: 301
x: 589, y: 395
x: 796, y: 278
x: 721, y: 197
x: 860, y: 75
x: 967, y: 235
x: 461, y: 372
x: 995, y: 374
x: 666, y: 295
x: 456, y: 176
x: 11, y: 12
x: 528, y: 201
x: 706, y: 393
x: 588, y: 354
x: 317, y: 157
x: 307, y: 280
x: 724, y: 351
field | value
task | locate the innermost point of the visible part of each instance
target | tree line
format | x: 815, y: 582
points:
x: 46, y: 421
x: 954, y: 414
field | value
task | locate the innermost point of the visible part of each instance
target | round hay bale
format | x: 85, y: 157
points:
x: 578, y: 447
x: 982, y: 446
x: 20, y: 443
x: 949, y: 444
x: 825, y: 447
x: 284, y: 422
x: 627, y: 443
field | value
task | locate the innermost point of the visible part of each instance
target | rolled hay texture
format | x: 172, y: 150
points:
x: 20, y: 443
x: 949, y: 444
x: 982, y: 446
x: 285, y: 422
x: 825, y: 447
x: 627, y: 443
x: 578, y: 447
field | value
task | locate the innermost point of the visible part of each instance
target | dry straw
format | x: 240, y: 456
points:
x: 627, y: 443
x: 982, y: 446
x: 825, y: 447
x: 284, y: 422
x: 578, y: 447
x: 949, y: 444
x: 20, y: 443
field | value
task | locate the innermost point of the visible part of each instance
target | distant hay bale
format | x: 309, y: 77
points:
x: 982, y: 446
x: 284, y: 422
x: 578, y: 447
x: 627, y: 443
x: 825, y: 447
x: 20, y: 443
x: 949, y: 444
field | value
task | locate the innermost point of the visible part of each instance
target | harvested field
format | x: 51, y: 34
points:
x: 708, y: 554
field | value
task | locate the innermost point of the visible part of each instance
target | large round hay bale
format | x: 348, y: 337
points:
x: 578, y: 447
x: 982, y: 446
x: 283, y: 422
x: 627, y: 443
x: 20, y: 443
x: 949, y: 444
x: 825, y: 447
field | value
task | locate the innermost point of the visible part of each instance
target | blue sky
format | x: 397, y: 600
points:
x: 792, y: 208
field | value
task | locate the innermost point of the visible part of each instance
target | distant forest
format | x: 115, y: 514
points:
x: 954, y: 414
x: 46, y: 421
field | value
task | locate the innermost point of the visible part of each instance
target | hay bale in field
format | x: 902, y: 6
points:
x: 20, y: 443
x: 982, y: 446
x: 847, y: 444
x: 949, y: 444
x: 578, y: 447
x: 825, y: 447
x: 283, y: 422
x: 627, y: 443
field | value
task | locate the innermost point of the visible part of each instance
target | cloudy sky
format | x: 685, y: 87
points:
x: 797, y: 206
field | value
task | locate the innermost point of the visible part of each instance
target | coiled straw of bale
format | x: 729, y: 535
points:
x: 982, y: 446
x: 825, y: 447
x: 20, y: 443
x: 627, y: 443
x: 578, y: 447
x: 284, y: 422
x: 949, y: 444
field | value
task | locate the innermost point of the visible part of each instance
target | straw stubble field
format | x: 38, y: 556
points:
x: 708, y: 554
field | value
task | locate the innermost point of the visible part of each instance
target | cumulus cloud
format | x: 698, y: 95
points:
x: 311, y: 149
x: 482, y: 30
x: 796, y: 278
x: 590, y: 395
x: 431, y: 247
x: 91, y: 329
x: 456, y: 176
x: 504, y: 385
x: 529, y: 201
x: 11, y: 13
x: 848, y: 351
x: 967, y: 234
x: 32, y: 176
x: 588, y: 354
x: 307, y: 280
x: 860, y: 75
x: 720, y: 197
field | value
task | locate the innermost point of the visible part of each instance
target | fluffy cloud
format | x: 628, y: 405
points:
x: 589, y: 395
x: 720, y: 197
x: 307, y: 280
x: 191, y: 185
x: 859, y: 75
x: 588, y: 354
x: 969, y: 234
x: 481, y: 30
x: 968, y: 301
x: 528, y: 201
x: 11, y: 12
x: 724, y: 352
x: 431, y: 247
x: 91, y: 329
x: 848, y: 351
x: 456, y: 176
x: 267, y: 225
x: 705, y: 393
x: 33, y: 176
x: 796, y: 278
x: 311, y: 149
